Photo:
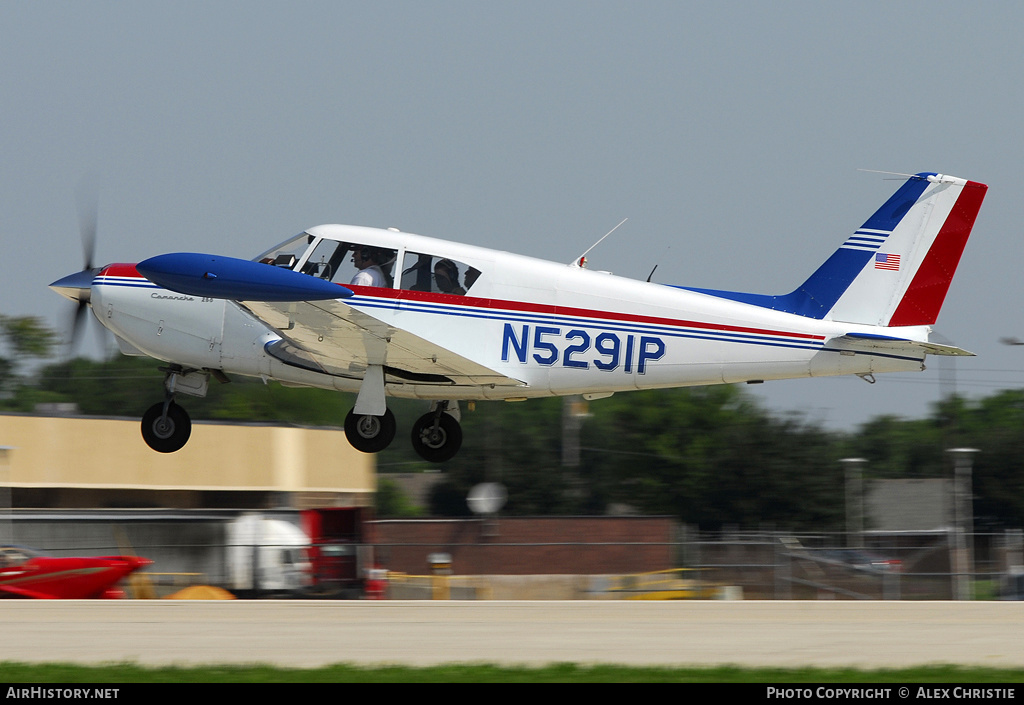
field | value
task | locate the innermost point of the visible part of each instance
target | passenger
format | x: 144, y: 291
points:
x: 367, y: 261
x: 446, y: 274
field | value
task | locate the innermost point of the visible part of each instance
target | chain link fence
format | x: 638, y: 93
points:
x: 929, y: 565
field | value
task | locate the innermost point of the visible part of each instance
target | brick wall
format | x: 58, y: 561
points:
x: 528, y: 545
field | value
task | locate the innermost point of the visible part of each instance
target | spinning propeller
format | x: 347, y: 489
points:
x: 78, y: 286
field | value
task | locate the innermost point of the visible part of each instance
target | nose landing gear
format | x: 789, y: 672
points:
x: 166, y: 427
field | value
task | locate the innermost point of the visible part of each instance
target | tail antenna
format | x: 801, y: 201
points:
x: 936, y: 179
x: 890, y: 173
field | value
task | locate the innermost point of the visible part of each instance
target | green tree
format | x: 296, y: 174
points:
x: 24, y: 338
x: 391, y: 501
x: 712, y: 457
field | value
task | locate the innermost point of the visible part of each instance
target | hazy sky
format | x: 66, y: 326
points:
x: 729, y: 133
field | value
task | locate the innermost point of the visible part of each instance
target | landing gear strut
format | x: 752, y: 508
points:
x: 166, y: 427
x: 437, y: 436
x: 370, y: 434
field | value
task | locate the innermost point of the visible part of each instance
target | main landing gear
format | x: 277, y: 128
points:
x: 436, y: 436
x: 370, y: 434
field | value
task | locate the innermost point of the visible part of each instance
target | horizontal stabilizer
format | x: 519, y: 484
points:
x: 865, y: 342
x: 236, y: 279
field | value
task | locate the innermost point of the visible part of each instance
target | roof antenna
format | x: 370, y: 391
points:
x: 581, y: 261
x: 656, y: 265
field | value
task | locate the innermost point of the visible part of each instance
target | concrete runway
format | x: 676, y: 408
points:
x: 312, y: 633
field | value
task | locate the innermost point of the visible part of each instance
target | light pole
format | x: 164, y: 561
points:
x: 963, y: 508
x: 854, y: 501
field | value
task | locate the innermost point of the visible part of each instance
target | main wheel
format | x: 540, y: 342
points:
x: 370, y: 434
x: 166, y: 434
x: 436, y: 444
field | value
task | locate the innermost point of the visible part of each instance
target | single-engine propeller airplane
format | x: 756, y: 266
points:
x: 386, y: 313
x: 27, y: 573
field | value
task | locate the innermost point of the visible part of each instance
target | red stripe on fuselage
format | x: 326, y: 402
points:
x: 924, y: 297
x: 551, y: 309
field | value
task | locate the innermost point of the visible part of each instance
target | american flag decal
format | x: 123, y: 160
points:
x: 884, y: 261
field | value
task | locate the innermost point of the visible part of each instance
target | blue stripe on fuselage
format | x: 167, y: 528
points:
x: 779, y: 340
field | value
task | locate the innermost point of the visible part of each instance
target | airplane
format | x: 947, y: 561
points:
x: 383, y: 313
x: 26, y: 573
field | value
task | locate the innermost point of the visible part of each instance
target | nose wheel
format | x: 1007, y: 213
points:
x: 370, y: 434
x: 436, y: 436
x: 166, y: 427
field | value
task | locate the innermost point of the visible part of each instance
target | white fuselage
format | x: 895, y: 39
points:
x: 558, y: 329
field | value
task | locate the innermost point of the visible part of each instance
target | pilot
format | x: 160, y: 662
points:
x: 367, y: 261
x: 446, y: 274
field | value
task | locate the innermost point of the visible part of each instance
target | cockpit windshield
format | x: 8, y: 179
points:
x: 287, y: 253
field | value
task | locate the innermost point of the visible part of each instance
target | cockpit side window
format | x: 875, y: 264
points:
x: 352, y: 263
x: 439, y: 275
x: 326, y: 260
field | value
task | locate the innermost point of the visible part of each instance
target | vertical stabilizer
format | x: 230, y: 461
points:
x: 907, y: 253
x: 894, y: 270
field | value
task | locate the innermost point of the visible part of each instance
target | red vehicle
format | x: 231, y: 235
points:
x: 341, y: 551
x: 29, y: 574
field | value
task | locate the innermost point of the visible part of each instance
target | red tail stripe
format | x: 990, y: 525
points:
x: 924, y: 297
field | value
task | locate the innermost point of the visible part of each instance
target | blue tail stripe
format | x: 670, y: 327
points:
x: 891, y: 213
x: 816, y: 296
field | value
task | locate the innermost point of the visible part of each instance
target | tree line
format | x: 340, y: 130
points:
x: 711, y: 456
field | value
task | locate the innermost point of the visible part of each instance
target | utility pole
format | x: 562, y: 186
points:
x: 963, y: 508
x: 854, y: 501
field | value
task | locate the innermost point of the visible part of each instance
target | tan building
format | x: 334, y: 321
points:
x: 74, y: 461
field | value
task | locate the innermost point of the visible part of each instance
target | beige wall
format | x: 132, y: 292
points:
x: 110, y: 453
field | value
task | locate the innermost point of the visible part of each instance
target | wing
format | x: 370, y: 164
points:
x: 331, y: 336
x: 320, y: 332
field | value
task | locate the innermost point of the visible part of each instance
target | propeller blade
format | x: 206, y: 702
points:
x: 78, y: 286
x: 87, y: 218
x: 77, y: 324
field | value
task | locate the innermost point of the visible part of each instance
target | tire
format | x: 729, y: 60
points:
x: 440, y: 445
x: 370, y: 434
x: 166, y: 434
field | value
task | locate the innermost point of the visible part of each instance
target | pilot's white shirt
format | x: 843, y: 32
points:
x: 371, y: 276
